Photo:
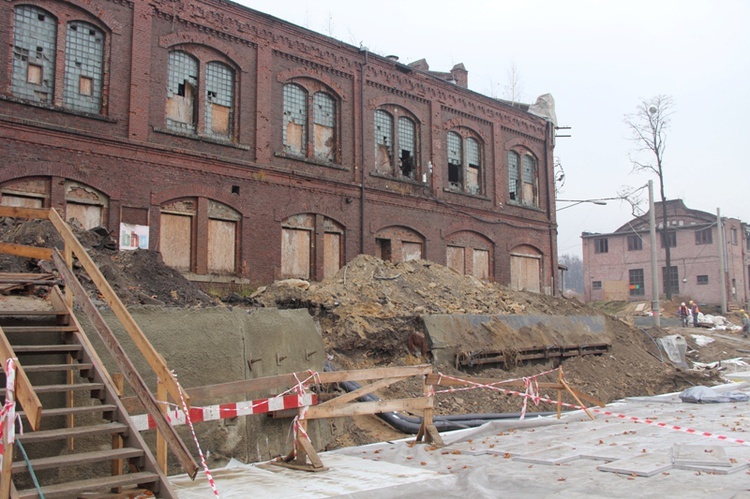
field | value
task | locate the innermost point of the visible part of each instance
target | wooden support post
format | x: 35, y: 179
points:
x: 68, y: 258
x: 70, y: 401
x: 559, y: 393
x: 7, y: 456
x: 427, y: 429
x: 119, y: 383
x: 161, y: 443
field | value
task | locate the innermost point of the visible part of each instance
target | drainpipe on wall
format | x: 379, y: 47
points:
x: 362, y: 151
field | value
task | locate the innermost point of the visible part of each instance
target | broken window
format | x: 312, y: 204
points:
x: 407, y: 145
x: 637, y: 287
x: 34, y: 40
x: 529, y: 181
x: 383, y: 141
x: 295, y: 119
x: 182, y: 92
x: 219, y: 99
x: 324, y: 120
x: 513, y: 177
x: 455, y: 164
x: 474, y: 168
x: 84, y: 67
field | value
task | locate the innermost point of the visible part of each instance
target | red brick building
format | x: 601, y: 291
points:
x: 245, y: 148
x: 617, y: 266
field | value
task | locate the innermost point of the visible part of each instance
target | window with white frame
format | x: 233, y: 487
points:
x: 309, y: 121
x: 464, y: 163
x: 396, y: 144
x: 185, y: 103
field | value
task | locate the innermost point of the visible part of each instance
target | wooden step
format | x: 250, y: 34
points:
x: 62, y: 388
x: 31, y: 313
x: 46, y: 368
x: 39, y: 329
x: 76, y: 432
x: 44, y: 463
x: 81, y: 409
x: 47, y: 349
x: 75, y: 489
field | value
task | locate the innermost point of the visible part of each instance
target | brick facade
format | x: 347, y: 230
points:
x: 235, y: 184
x: 615, y: 262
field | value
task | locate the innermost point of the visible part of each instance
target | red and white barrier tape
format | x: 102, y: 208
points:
x: 634, y: 419
x: 177, y: 417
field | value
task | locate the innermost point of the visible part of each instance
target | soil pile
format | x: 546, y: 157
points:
x: 138, y: 277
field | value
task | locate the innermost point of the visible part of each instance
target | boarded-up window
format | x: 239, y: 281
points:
x: 525, y: 272
x: 383, y: 142
x: 182, y: 91
x: 175, y: 240
x: 89, y: 216
x: 295, y: 119
x: 324, y: 119
x: 529, y: 180
x: 456, y: 258
x: 412, y: 251
x: 295, y: 253
x: 331, y: 253
x: 222, y: 240
x: 481, y: 264
x: 219, y: 99
x: 21, y: 201
x: 34, y: 74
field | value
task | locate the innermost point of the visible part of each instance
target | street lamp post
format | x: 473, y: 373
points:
x: 580, y: 201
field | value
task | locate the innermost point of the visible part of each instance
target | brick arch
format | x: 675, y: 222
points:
x: 400, y: 102
x: 467, y: 124
x: 290, y: 74
x: 193, y: 191
x: 34, y: 170
x: 174, y: 40
x: 62, y: 12
x: 473, y: 234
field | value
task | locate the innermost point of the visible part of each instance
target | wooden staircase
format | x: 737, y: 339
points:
x: 77, y: 438
x: 85, y: 430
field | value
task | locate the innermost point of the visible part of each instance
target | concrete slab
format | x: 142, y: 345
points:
x: 551, y: 456
x: 346, y: 475
x: 700, y: 455
x: 648, y: 464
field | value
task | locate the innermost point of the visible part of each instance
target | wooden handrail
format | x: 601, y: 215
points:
x: 25, y: 394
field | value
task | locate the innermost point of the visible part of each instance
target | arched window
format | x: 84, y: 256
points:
x: 464, y: 163
x: 34, y: 54
x: 523, y: 179
x: 396, y: 151
x: 307, y: 109
x: 219, y: 100
x: 182, y: 91
x: 84, y: 67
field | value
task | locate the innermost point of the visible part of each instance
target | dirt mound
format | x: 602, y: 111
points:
x: 138, y: 277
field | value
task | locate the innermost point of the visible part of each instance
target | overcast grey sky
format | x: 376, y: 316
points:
x: 598, y: 58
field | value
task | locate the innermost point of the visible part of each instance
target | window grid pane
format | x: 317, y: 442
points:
x: 295, y: 119
x: 219, y: 111
x: 84, y: 56
x: 454, y: 148
x: 34, y: 38
x: 528, y: 169
x: 472, y: 152
x: 383, y: 136
x: 182, y: 88
x: 407, y: 132
x: 513, y: 176
x: 324, y: 109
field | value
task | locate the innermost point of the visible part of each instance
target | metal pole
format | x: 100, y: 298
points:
x: 655, y: 308
x: 722, y: 264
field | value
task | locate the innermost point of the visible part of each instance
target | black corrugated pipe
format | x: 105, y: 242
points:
x: 411, y: 424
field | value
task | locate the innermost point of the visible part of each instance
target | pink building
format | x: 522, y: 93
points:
x: 617, y: 266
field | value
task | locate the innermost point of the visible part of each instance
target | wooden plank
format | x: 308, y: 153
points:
x: 26, y: 251
x: 153, y: 358
x: 78, y: 431
x: 18, y: 212
x: 126, y: 366
x: 362, y: 408
x: 382, y: 372
x: 175, y: 241
x: 74, y: 459
x: 439, y: 380
x: 222, y: 244
x: 42, y: 349
x: 74, y: 489
x: 25, y: 394
x: 40, y: 329
x: 43, y: 368
x: 354, y: 395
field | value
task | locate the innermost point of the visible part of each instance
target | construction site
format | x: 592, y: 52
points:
x: 123, y: 379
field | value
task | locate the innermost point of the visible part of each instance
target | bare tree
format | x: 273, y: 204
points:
x: 514, y: 87
x: 648, y: 125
